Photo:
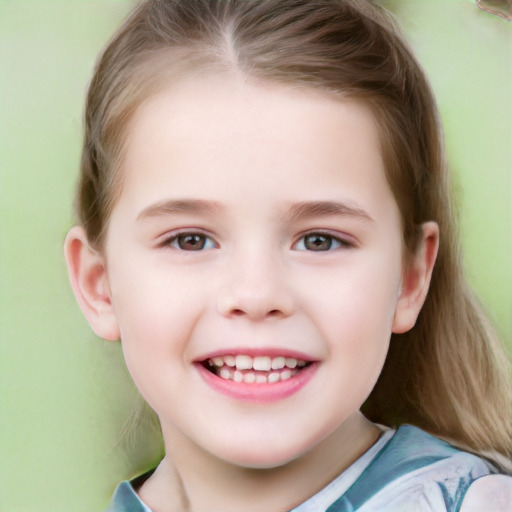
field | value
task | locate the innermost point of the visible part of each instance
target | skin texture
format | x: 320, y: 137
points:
x: 240, y: 164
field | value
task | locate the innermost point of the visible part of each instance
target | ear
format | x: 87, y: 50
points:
x: 89, y: 280
x: 416, y: 279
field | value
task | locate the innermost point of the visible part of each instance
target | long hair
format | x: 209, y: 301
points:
x: 447, y: 375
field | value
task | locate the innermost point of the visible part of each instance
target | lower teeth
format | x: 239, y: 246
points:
x: 255, y: 377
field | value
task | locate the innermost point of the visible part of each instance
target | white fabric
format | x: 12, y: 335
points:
x: 419, y: 491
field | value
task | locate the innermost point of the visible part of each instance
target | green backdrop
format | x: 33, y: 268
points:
x: 64, y: 394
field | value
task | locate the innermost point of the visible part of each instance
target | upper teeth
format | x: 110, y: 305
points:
x: 259, y: 363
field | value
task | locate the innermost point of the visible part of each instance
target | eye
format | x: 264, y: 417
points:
x: 320, y: 242
x: 191, y: 242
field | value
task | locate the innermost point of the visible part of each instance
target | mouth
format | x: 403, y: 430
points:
x: 242, y: 368
x: 257, y: 375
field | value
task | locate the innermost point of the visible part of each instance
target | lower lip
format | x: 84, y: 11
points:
x: 258, y: 392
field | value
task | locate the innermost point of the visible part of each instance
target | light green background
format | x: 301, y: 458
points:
x: 64, y: 394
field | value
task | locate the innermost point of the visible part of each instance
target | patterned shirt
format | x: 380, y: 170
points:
x: 405, y: 470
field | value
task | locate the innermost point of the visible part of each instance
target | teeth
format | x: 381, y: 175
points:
x: 250, y: 377
x: 229, y: 360
x: 285, y: 375
x: 278, y: 363
x: 263, y: 364
x: 291, y: 363
x: 236, y: 367
x: 273, y: 377
x: 225, y: 373
x: 243, y: 362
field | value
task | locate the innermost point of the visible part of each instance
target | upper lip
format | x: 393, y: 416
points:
x: 255, y: 352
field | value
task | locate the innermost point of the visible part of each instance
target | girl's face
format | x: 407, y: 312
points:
x: 254, y: 262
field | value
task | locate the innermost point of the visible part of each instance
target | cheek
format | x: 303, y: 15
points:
x: 356, y: 309
x: 155, y: 324
x: 359, y: 294
x: 156, y: 312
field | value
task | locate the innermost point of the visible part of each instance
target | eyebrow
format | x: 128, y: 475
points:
x: 178, y: 206
x: 296, y: 212
x: 306, y: 209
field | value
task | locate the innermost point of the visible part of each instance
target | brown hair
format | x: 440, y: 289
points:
x: 449, y: 374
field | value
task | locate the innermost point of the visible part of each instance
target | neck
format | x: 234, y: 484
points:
x: 195, y: 481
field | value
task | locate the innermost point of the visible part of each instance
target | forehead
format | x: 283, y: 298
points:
x: 213, y: 134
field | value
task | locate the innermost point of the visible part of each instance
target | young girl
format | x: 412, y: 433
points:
x: 264, y: 224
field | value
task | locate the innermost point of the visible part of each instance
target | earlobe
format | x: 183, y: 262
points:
x: 89, y: 280
x: 416, y: 280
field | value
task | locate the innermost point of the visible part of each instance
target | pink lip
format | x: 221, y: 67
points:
x: 254, y: 352
x: 262, y: 393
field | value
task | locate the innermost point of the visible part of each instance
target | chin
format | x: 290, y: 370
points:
x: 260, y: 463
x: 264, y: 457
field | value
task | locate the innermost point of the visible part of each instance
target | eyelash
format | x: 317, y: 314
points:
x: 174, y: 241
x: 329, y: 238
x: 204, y: 242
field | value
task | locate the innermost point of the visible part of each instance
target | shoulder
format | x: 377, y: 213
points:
x: 417, y: 471
x: 492, y: 492
x: 412, y: 448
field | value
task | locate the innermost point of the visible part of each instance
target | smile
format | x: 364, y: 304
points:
x: 255, y: 370
x: 259, y: 377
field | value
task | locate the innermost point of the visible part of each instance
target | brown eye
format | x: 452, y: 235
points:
x: 319, y: 242
x: 192, y: 242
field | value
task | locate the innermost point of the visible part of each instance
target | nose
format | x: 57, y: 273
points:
x: 255, y: 288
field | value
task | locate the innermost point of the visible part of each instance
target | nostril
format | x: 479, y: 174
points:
x: 254, y: 306
x: 270, y: 314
